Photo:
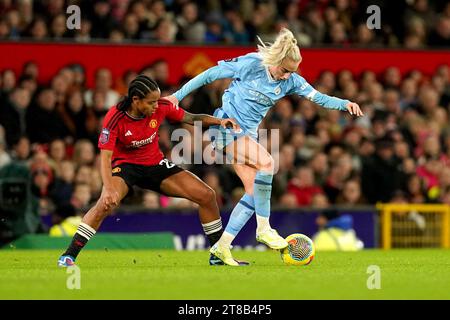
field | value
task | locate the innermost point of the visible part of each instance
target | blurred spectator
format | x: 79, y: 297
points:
x: 37, y: 29
x: 5, y: 158
x: 81, y: 196
x: 102, y: 20
x: 440, y: 36
x: 57, y: 152
x: 150, y: 200
x: 21, y: 150
x: 5, y: 31
x: 190, y: 28
x: 13, y: 115
x: 336, y: 232
x: 288, y: 201
x: 320, y: 201
x: 303, y: 186
x: 83, y: 153
x: 380, y: 173
x: 74, y: 114
x: 165, y: 31
x: 103, y: 85
x: 214, y: 31
x: 422, y: 23
x: 42, y: 180
x: 84, y: 33
x: 43, y: 114
x: 351, y: 194
x: 63, y: 187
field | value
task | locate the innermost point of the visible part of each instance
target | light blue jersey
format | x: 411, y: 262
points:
x: 253, y: 91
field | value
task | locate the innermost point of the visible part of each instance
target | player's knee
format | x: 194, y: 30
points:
x: 101, y: 211
x: 267, y: 164
x: 208, y: 195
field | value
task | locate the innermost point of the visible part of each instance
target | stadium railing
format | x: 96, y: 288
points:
x: 414, y: 225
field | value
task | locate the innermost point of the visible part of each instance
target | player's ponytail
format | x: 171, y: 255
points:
x: 285, y: 46
x: 140, y: 87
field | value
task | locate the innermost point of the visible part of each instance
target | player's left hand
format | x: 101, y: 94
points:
x: 172, y: 99
x: 230, y: 123
x: 354, y: 109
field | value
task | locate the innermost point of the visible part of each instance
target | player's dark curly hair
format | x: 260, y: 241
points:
x: 139, y: 87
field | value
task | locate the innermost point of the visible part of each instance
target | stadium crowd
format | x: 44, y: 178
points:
x: 399, y: 152
x: 314, y: 22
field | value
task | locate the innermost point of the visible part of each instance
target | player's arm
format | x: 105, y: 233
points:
x: 206, y: 77
x: 208, y: 120
x: 109, y: 196
x: 230, y: 68
x: 105, y: 167
x: 304, y: 89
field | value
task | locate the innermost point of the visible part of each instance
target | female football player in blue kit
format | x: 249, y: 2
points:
x: 260, y: 79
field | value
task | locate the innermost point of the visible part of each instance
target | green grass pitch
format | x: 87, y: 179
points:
x: 405, y: 274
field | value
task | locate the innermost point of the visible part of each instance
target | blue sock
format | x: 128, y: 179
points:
x: 262, y: 191
x: 240, y: 215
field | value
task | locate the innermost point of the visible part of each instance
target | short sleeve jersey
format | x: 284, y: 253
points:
x: 135, y: 140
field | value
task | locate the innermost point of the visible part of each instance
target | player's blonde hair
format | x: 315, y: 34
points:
x: 285, y: 46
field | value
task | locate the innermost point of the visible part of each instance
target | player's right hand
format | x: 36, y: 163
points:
x: 354, y: 109
x: 110, y: 198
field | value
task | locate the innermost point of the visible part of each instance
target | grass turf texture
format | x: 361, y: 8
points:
x: 114, y: 274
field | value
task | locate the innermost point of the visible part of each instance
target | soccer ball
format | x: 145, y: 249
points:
x: 300, y: 250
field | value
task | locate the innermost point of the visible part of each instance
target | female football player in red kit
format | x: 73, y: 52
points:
x: 130, y: 155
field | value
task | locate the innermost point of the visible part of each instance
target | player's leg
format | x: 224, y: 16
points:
x: 186, y: 185
x: 91, y: 223
x: 248, y: 152
x: 245, y: 208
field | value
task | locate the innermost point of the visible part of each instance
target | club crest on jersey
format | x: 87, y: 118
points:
x: 116, y: 170
x: 104, y: 136
x: 153, y: 123
x: 277, y: 90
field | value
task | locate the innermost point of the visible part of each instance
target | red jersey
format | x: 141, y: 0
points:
x: 135, y: 140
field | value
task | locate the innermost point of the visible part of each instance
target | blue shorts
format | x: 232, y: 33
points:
x: 221, y: 137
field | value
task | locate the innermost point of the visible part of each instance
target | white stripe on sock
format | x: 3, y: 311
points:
x: 82, y: 233
x: 217, y: 225
x: 88, y: 227
x: 212, y: 226
x: 214, y: 230
x: 80, y: 227
x: 208, y: 224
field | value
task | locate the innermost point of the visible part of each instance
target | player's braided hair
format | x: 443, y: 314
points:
x: 139, y: 87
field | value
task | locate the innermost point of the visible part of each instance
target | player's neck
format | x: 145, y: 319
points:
x: 133, y: 112
x: 271, y: 71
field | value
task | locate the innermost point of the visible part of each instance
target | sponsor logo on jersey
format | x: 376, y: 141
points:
x: 140, y: 143
x: 261, y: 98
x: 153, y: 123
x: 104, y: 136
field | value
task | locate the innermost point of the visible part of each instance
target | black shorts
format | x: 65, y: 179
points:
x: 145, y: 177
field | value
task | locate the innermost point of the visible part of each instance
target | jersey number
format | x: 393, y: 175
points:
x: 168, y: 164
